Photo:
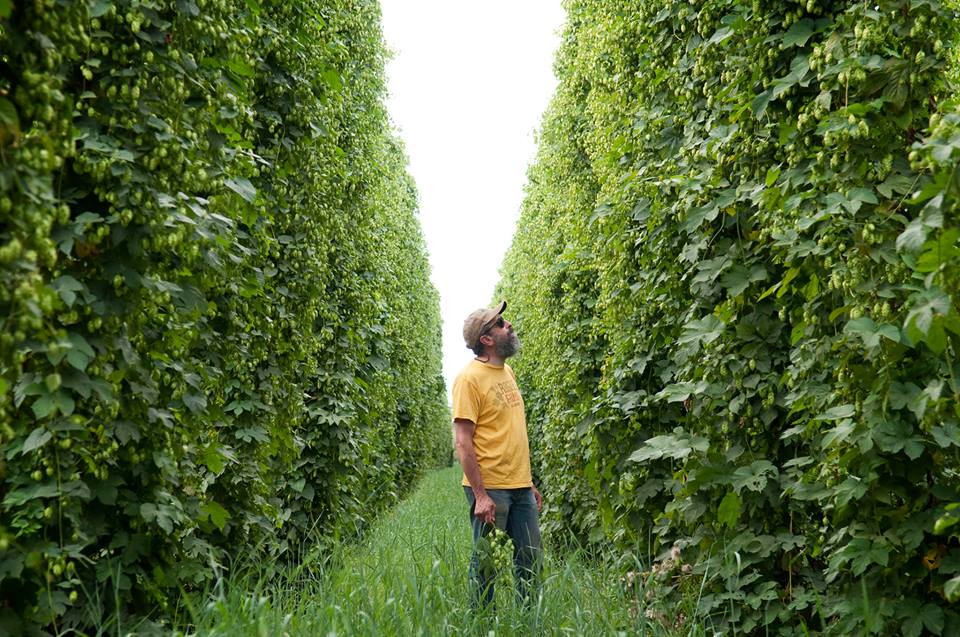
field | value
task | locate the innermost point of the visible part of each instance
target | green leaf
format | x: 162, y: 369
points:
x: 892, y: 436
x: 799, y: 67
x: 738, y: 279
x: 217, y: 514
x: 212, y: 458
x: 797, y: 332
x: 754, y: 477
x: 8, y: 112
x: 705, y: 330
x: 242, y: 187
x: 952, y: 589
x: 837, y: 412
x: 933, y: 618
x: 241, y: 68
x: 679, y: 392
x: 44, y: 406
x: 106, y: 491
x: 596, y: 534
x: 787, y: 279
x: 782, y: 284
x: 79, y: 352
x: 98, y: 8
x: 913, y: 237
x: 851, y: 489
x: 720, y: 35
x: 11, y: 564
x: 22, y: 495
x: 926, y: 305
x: 697, y: 216
x: 760, y: 103
x: 678, y: 446
x: 870, y: 332
x: 28, y: 385
x: 67, y: 287
x: 938, y: 251
x: 913, y: 447
x: 189, y: 7
x: 161, y: 514
x: 798, y: 34
x: 65, y: 404
x: 862, y: 195
x: 824, y: 100
x: 943, y: 523
x: 897, y: 183
x: 838, y: 434
x: 333, y: 80
x: 80, y: 383
x: 195, y: 402
x: 37, y: 438
x: 863, y: 326
x: 902, y: 394
x: 729, y: 511
x: 913, y: 626
x: 49, y: 404
x: 772, y: 175
x: 255, y: 432
x: 936, y: 338
x: 865, y: 553
x: 78, y: 359
x: 600, y: 211
x: 946, y: 436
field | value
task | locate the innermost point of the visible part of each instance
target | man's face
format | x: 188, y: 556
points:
x: 505, y: 341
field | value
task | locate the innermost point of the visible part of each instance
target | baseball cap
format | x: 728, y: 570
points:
x: 480, y: 320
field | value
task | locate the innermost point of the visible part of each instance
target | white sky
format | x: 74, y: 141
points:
x: 468, y: 83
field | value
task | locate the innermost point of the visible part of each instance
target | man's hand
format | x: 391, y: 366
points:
x: 538, y: 498
x: 485, y: 509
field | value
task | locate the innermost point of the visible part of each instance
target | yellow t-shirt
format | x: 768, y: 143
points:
x: 488, y: 396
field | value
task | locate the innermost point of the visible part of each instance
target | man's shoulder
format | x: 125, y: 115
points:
x: 469, y: 373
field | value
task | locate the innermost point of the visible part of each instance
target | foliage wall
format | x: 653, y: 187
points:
x: 736, y: 274
x: 218, y: 330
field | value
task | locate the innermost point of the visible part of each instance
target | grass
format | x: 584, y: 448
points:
x: 408, y: 577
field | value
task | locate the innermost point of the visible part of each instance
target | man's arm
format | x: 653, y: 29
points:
x: 485, y: 509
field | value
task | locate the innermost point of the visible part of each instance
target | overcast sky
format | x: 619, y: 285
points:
x: 468, y: 83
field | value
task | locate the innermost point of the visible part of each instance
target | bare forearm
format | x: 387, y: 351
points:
x: 471, y: 468
x: 484, y: 508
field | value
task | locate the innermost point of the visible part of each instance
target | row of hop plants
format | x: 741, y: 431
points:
x: 737, y: 273
x: 218, y: 331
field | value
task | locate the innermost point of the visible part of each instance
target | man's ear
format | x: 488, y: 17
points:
x: 487, y: 340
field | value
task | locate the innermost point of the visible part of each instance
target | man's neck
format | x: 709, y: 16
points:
x: 491, y: 358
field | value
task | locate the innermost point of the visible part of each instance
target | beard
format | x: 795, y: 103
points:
x: 507, y: 346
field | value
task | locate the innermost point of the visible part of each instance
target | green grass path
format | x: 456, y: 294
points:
x: 408, y: 577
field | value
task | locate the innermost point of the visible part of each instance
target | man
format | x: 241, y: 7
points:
x: 491, y: 440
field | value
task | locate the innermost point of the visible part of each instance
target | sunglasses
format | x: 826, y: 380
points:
x: 497, y: 323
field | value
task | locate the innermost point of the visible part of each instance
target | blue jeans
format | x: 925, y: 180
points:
x: 517, y: 516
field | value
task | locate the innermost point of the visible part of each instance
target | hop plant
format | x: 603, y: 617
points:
x: 496, y: 556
